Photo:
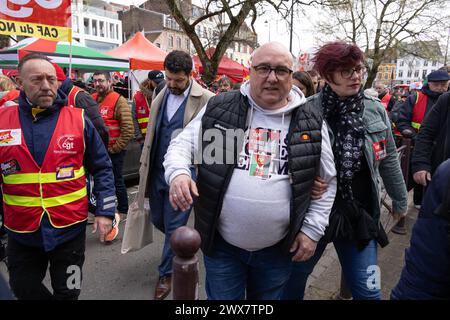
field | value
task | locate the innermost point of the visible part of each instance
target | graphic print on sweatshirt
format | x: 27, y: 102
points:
x: 261, y: 155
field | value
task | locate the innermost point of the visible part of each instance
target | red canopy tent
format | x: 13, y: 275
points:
x: 143, y: 54
x: 230, y: 68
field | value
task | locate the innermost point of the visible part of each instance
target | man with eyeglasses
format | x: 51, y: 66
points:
x: 116, y: 114
x: 253, y: 209
x: 412, y: 112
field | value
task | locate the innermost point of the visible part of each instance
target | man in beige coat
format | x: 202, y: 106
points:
x: 176, y: 105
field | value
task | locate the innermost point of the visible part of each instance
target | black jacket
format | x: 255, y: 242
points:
x: 85, y: 101
x: 404, y: 111
x: 229, y: 111
x: 433, y: 141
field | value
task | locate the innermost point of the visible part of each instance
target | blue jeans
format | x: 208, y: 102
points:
x: 121, y: 190
x: 233, y: 273
x: 166, y: 220
x: 359, y: 268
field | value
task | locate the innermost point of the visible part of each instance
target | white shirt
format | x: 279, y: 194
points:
x: 174, y: 102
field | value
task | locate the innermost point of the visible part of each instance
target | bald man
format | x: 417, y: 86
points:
x: 252, y: 196
x: 46, y: 148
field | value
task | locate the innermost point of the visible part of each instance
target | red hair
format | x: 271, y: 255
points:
x: 334, y: 56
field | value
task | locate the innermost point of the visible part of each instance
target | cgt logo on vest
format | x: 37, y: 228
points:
x: 66, y: 144
x: 10, y: 137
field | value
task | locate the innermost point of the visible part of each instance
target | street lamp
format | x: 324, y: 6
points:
x: 267, y: 23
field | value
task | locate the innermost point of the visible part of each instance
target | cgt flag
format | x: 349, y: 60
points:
x: 46, y: 19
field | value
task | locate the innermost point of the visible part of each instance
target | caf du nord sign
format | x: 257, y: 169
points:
x: 46, y: 19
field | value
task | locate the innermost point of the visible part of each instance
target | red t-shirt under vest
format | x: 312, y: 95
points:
x: 107, y: 109
x: 58, y: 187
x: 142, y: 111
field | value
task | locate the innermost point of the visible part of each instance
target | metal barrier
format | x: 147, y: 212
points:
x: 407, y: 144
x: 185, y: 243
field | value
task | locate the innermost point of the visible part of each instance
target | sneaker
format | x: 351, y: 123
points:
x: 417, y: 206
x: 114, y: 231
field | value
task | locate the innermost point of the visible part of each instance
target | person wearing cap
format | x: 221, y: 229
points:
x: 79, y: 98
x: 157, y: 81
x: 411, y: 113
x: 172, y: 109
x: 142, y: 100
x: 433, y: 140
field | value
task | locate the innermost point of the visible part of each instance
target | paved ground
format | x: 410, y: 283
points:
x: 324, y: 282
x: 108, y: 274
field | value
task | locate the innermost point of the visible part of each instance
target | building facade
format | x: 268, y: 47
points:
x: 96, y: 24
x: 417, y: 60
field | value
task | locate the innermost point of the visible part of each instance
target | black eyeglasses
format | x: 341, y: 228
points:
x: 263, y: 70
x: 348, y: 73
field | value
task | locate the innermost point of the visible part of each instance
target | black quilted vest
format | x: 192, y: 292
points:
x: 229, y: 111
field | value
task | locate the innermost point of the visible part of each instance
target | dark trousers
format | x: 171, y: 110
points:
x: 27, y: 267
x: 418, y: 194
x: 121, y: 190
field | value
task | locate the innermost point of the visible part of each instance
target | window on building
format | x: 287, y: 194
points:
x: 400, y: 74
x: 86, y: 26
x: 416, y: 74
x: 425, y: 63
x: 94, y: 28
x: 379, y: 75
x: 75, y: 25
x: 418, y: 63
x: 102, y: 29
x: 424, y: 74
x: 178, y: 43
x: 112, y: 33
x: 408, y: 82
x: 117, y: 31
x: 158, y: 44
x: 402, y: 63
x: 239, y: 47
x: 170, y: 45
x: 409, y: 74
x: 386, y: 76
x: 188, y: 44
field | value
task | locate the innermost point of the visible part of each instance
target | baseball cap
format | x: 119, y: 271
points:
x: 438, y: 75
x: 60, y: 75
x: 156, y: 76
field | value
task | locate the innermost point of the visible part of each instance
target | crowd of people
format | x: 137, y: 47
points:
x: 305, y: 172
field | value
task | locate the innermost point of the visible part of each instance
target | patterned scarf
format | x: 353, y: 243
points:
x: 346, y: 116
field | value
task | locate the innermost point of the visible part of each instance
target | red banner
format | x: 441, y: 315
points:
x: 48, y: 19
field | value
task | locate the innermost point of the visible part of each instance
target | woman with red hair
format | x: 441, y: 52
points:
x: 364, y: 150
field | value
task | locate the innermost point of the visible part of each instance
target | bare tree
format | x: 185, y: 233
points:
x: 235, y: 12
x: 381, y: 26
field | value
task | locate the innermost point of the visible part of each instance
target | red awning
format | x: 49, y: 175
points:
x: 143, y: 54
x: 232, y: 69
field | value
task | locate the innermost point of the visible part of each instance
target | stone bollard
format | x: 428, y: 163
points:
x: 185, y: 243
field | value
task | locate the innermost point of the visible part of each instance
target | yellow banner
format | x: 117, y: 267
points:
x: 42, y: 31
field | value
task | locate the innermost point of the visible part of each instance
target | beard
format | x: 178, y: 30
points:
x: 176, y: 91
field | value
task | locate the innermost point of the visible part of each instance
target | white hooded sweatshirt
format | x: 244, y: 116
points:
x: 256, y: 207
